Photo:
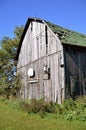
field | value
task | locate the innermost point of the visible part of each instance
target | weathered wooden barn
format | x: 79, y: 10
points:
x: 51, y: 61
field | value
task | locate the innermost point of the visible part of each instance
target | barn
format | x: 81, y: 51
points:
x: 51, y: 61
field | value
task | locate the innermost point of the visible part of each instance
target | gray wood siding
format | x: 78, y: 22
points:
x: 75, y: 71
x: 33, y: 54
x: 33, y: 46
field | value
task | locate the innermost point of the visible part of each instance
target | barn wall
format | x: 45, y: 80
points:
x: 37, y: 51
x: 75, y: 71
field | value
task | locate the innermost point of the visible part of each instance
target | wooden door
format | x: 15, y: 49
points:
x: 47, y: 90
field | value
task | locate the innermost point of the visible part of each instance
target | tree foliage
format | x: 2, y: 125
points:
x: 7, y: 63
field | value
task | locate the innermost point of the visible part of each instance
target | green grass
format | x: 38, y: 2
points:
x: 12, y: 118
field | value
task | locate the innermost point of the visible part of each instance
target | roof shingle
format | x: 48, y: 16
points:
x: 67, y: 36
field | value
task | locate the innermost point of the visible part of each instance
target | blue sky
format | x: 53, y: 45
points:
x: 67, y: 13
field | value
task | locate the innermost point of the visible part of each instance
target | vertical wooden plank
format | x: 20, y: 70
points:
x: 35, y: 56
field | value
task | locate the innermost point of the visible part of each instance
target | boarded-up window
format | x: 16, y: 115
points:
x: 73, y: 85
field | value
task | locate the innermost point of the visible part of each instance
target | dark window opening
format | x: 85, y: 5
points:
x: 48, y: 73
x: 46, y: 39
x: 31, y: 26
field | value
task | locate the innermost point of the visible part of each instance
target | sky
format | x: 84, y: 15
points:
x: 70, y: 14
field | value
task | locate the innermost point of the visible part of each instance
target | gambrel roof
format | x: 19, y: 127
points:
x: 66, y: 36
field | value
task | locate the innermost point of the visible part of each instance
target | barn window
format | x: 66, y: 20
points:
x: 73, y: 86
x: 46, y: 39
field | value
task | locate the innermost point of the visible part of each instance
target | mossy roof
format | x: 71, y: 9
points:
x: 67, y: 36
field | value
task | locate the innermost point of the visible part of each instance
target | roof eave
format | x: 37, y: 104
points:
x: 73, y: 44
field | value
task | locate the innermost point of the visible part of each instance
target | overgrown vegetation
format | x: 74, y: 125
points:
x: 70, y: 110
x: 38, y: 114
x: 8, y: 50
x: 13, y: 118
